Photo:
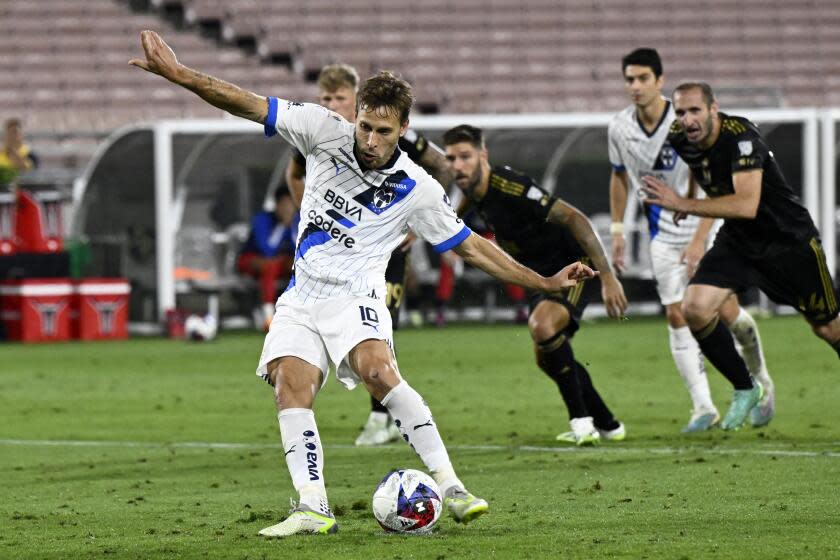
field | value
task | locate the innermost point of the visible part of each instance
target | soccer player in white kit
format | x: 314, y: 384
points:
x: 638, y: 146
x: 361, y: 196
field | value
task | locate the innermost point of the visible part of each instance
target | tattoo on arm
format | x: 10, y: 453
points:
x: 580, y: 226
x: 435, y: 163
x: 226, y: 96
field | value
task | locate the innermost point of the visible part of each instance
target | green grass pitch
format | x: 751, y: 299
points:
x: 106, y: 453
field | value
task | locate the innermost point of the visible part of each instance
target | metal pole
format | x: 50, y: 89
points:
x: 810, y: 167
x: 164, y: 233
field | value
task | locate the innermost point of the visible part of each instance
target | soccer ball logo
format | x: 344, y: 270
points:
x: 383, y: 197
x: 407, y: 501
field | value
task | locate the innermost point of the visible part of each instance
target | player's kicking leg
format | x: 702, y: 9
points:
x: 380, y: 428
x: 374, y: 362
x: 700, y: 309
x: 746, y: 335
x: 295, y: 382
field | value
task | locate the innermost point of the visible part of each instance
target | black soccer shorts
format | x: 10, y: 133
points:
x: 574, y: 300
x: 797, y: 276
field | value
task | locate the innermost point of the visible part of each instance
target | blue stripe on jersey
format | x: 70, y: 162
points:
x: 618, y: 167
x: 339, y: 218
x: 312, y: 240
x: 453, y: 241
x: 653, y: 211
x: 271, y: 119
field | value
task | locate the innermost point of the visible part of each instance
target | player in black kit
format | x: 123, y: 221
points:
x: 767, y: 240
x: 544, y: 233
x: 337, y: 86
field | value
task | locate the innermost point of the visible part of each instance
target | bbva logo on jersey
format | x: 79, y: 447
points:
x: 393, y: 189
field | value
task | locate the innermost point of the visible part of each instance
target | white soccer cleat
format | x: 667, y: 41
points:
x: 379, y: 430
x: 302, y: 520
x: 583, y: 432
x: 701, y: 421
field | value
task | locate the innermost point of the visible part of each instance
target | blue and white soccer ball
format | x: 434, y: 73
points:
x: 200, y: 327
x: 407, y: 501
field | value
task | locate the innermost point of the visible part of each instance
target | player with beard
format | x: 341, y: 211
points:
x: 544, y: 233
x: 363, y: 195
x: 767, y: 240
x: 638, y: 146
x: 337, y: 88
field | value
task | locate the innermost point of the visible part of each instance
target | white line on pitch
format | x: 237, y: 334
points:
x: 611, y: 448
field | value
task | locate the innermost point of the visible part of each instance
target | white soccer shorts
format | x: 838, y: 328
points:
x: 324, y: 333
x: 670, y: 273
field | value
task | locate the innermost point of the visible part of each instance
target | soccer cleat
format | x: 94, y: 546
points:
x: 583, y: 432
x: 765, y: 410
x: 463, y: 506
x: 701, y: 422
x: 302, y: 520
x: 378, y: 430
x: 743, y: 401
x: 616, y: 434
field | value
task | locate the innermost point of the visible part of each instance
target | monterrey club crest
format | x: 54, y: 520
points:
x: 391, y: 191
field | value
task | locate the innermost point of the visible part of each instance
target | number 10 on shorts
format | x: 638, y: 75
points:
x: 369, y: 316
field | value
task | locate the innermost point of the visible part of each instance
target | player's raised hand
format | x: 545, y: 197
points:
x: 660, y: 194
x: 569, y: 276
x: 160, y: 58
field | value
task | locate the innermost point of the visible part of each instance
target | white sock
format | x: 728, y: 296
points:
x: 414, y: 419
x: 304, y: 456
x: 692, y: 369
x: 746, y: 334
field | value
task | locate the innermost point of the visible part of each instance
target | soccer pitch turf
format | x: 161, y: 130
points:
x: 156, y: 448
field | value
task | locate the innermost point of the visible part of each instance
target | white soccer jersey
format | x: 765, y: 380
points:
x: 633, y: 150
x: 352, y: 218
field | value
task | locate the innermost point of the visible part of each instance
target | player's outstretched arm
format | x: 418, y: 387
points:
x: 612, y: 292
x: 494, y: 261
x: 160, y: 59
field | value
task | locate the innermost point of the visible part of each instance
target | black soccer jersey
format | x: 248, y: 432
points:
x: 412, y: 143
x: 516, y: 208
x: 781, y: 219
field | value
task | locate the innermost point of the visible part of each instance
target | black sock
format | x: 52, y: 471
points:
x: 718, y: 346
x: 601, y: 414
x: 559, y: 365
x: 376, y: 406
